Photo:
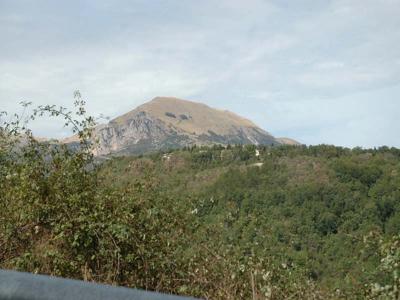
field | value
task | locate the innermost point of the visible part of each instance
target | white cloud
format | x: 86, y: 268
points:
x: 280, y: 63
x: 329, y: 65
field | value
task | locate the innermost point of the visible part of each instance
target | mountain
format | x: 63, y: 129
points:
x: 288, y: 141
x: 167, y: 122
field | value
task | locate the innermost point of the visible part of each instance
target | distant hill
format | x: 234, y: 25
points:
x: 288, y: 141
x: 166, y: 122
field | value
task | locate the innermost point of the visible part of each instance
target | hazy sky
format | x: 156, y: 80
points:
x: 318, y: 71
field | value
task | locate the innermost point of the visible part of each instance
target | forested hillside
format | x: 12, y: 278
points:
x: 290, y: 218
x: 235, y: 222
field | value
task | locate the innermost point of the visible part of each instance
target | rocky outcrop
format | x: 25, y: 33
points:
x: 139, y: 134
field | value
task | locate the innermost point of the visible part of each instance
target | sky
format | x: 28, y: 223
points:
x: 323, y: 71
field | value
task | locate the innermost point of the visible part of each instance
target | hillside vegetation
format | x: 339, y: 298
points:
x: 235, y: 222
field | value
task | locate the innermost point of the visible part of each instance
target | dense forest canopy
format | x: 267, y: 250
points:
x: 301, y: 222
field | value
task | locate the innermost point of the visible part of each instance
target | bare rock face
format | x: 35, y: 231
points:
x: 138, y: 134
x: 166, y: 123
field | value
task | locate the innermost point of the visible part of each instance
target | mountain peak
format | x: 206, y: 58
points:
x: 173, y: 100
x: 192, y: 117
x: 169, y: 122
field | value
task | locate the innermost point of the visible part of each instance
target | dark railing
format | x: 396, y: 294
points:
x: 26, y: 286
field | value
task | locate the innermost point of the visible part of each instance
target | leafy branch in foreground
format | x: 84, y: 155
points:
x: 57, y: 217
x: 46, y: 187
x: 81, y: 124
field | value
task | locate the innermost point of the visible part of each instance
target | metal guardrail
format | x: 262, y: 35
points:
x: 26, y: 286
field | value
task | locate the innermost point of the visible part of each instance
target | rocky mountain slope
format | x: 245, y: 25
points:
x: 167, y: 122
x: 288, y: 141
